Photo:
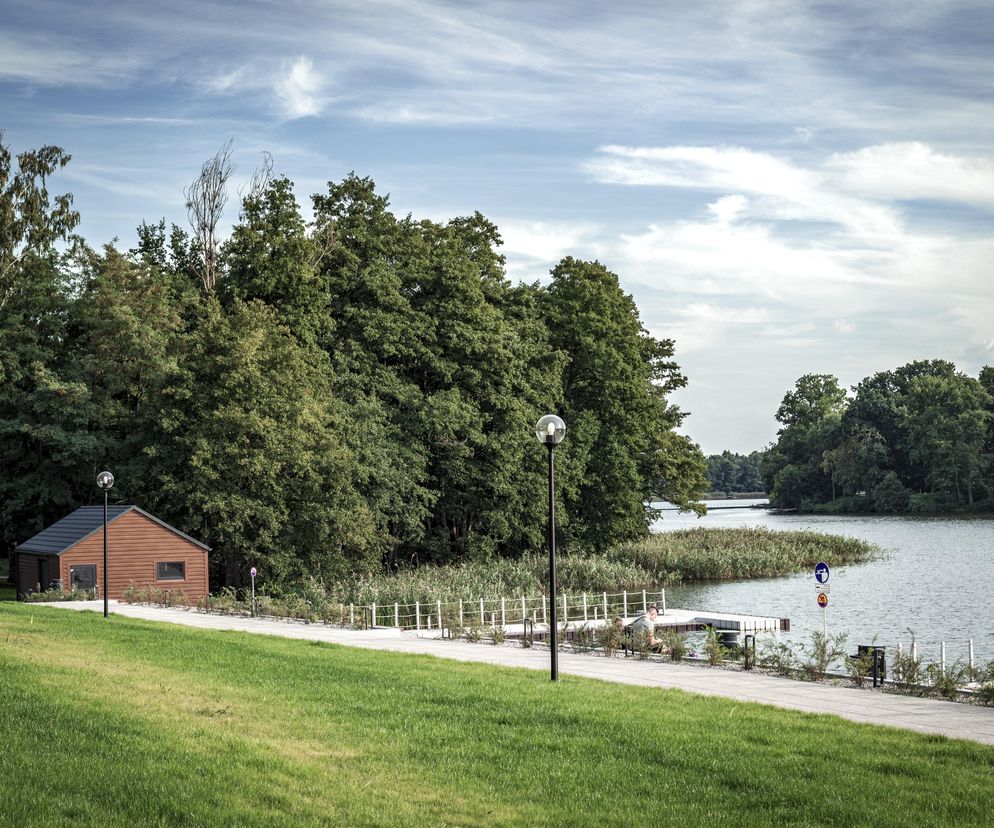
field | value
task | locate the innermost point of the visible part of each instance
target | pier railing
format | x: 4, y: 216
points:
x: 505, y: 611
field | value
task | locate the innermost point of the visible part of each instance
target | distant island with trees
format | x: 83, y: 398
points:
x: 918, y: 438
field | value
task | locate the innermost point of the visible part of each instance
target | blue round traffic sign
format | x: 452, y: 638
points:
x: 821, y: 572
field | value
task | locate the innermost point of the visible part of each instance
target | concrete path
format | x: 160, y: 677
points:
x: 959, y: 721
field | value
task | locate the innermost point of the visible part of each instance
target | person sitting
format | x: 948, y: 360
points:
x: 644, y: 630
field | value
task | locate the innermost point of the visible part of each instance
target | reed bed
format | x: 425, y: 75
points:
x: 726, y: 554
x: 660, y: 560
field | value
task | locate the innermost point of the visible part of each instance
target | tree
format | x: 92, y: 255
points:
x: 249, y: 459
x: 206, y: 198
x: 622, y: 450
x: 43, y: 417
x: 811, y: 416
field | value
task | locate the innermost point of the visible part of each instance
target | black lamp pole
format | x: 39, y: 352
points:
x: 106, y: 606
x: 105, y: 480
x: 553, y: 630
x: 550, y: 430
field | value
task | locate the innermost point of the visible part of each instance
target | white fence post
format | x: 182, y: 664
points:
x: 645, y: 604
x: 524, y: 611
x: 971, y: 653
x: 460, y: 612
x: 352, y: 614
x: 624, y: 603
x: 503, y: 615
x: 482, y: 622
x: 545, y: 614
x: 493, y: 619
x: 662, y: 598
x: 584, y: 606
x: 396, y: 614
x: 417, y: 615
x: 565, y: 610
x: 604, y: 594
x: 373, y: 607
x: 942, y: 657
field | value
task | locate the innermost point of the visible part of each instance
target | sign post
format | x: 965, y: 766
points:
x: 252, y: 572
x: 822, y: 574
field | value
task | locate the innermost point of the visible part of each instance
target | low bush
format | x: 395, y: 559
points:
x: 675, y: 644
x: 947, y: 683
x: 984, y: 676
x: 778, y: 657
x: 583, y: 639
x: 40, y: 596
x: 611, y: 637
x: 820, y: 653
x: 714, y: 650
x: 906, y: 670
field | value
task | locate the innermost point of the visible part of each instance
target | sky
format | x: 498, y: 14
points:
x: 784, y: 187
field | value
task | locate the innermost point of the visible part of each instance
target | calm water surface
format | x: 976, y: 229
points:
x: 935, y: 577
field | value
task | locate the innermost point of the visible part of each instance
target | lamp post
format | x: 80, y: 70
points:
x: 550, y: 431
x: 104, y: 481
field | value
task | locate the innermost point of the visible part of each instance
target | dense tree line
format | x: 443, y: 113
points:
x: 731, y: 472
x: 919, y: 437
x: 320, y: 397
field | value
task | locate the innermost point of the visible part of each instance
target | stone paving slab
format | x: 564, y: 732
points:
x: 958, y: 721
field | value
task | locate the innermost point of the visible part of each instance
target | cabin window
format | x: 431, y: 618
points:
x: 83, y: 576
x: 170, y: 571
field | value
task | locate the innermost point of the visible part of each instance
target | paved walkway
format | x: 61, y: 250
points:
x: 959, y: 721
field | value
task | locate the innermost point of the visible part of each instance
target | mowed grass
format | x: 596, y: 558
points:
x: 123, y: 722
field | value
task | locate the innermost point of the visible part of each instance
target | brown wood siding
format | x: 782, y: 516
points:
x: 134, y: 545
x: 27, y: 571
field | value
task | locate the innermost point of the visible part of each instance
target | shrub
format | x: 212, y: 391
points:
x: 675, y: 644
x: 714, y: 650
x: 778, y: 657
x: 906, y: 670
x: 984, y: 677
x: 641, y: 645
x: 610, y: 637
x: 860, y: 667
x: 947, y: 683
x: 820, y: 653
x: 497, y: 635
x: 583, y: 638
x: 473, y: 634
x: 890, y: 494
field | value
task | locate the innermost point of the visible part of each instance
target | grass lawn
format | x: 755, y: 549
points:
x: 124, y: 722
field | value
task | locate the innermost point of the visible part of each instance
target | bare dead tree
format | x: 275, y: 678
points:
x: 205, y: 201
x: 324, y: 240
x: 261, y: 177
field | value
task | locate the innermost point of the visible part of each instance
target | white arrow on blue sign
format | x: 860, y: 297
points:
x: 821, y: 572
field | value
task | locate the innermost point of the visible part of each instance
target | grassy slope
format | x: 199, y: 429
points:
x: 132, y: 723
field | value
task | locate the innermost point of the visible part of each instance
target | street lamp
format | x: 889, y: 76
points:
x: 550, y: 431
x: 104, y: 481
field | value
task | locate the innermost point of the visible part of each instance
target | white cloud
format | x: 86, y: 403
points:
x: 781, y: 189
x: 914, y: 170
x: 727, y: 208
x: 844, y: 326
x: 298, y: 89
x: 544, y: 241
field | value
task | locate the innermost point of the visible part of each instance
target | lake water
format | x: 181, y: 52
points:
x: 935, y: 577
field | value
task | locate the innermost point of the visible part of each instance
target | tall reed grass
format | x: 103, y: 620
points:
x: 725, y: 554
x: 662, y: 559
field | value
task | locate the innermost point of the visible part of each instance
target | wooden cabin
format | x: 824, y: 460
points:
x: 140, y: 548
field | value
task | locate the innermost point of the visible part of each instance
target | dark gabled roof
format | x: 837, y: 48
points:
x: 66, y: 533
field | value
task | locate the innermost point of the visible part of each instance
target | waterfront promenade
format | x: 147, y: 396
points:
x: 933, y: 716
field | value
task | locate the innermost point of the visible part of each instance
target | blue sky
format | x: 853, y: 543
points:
x: 784, y: 187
